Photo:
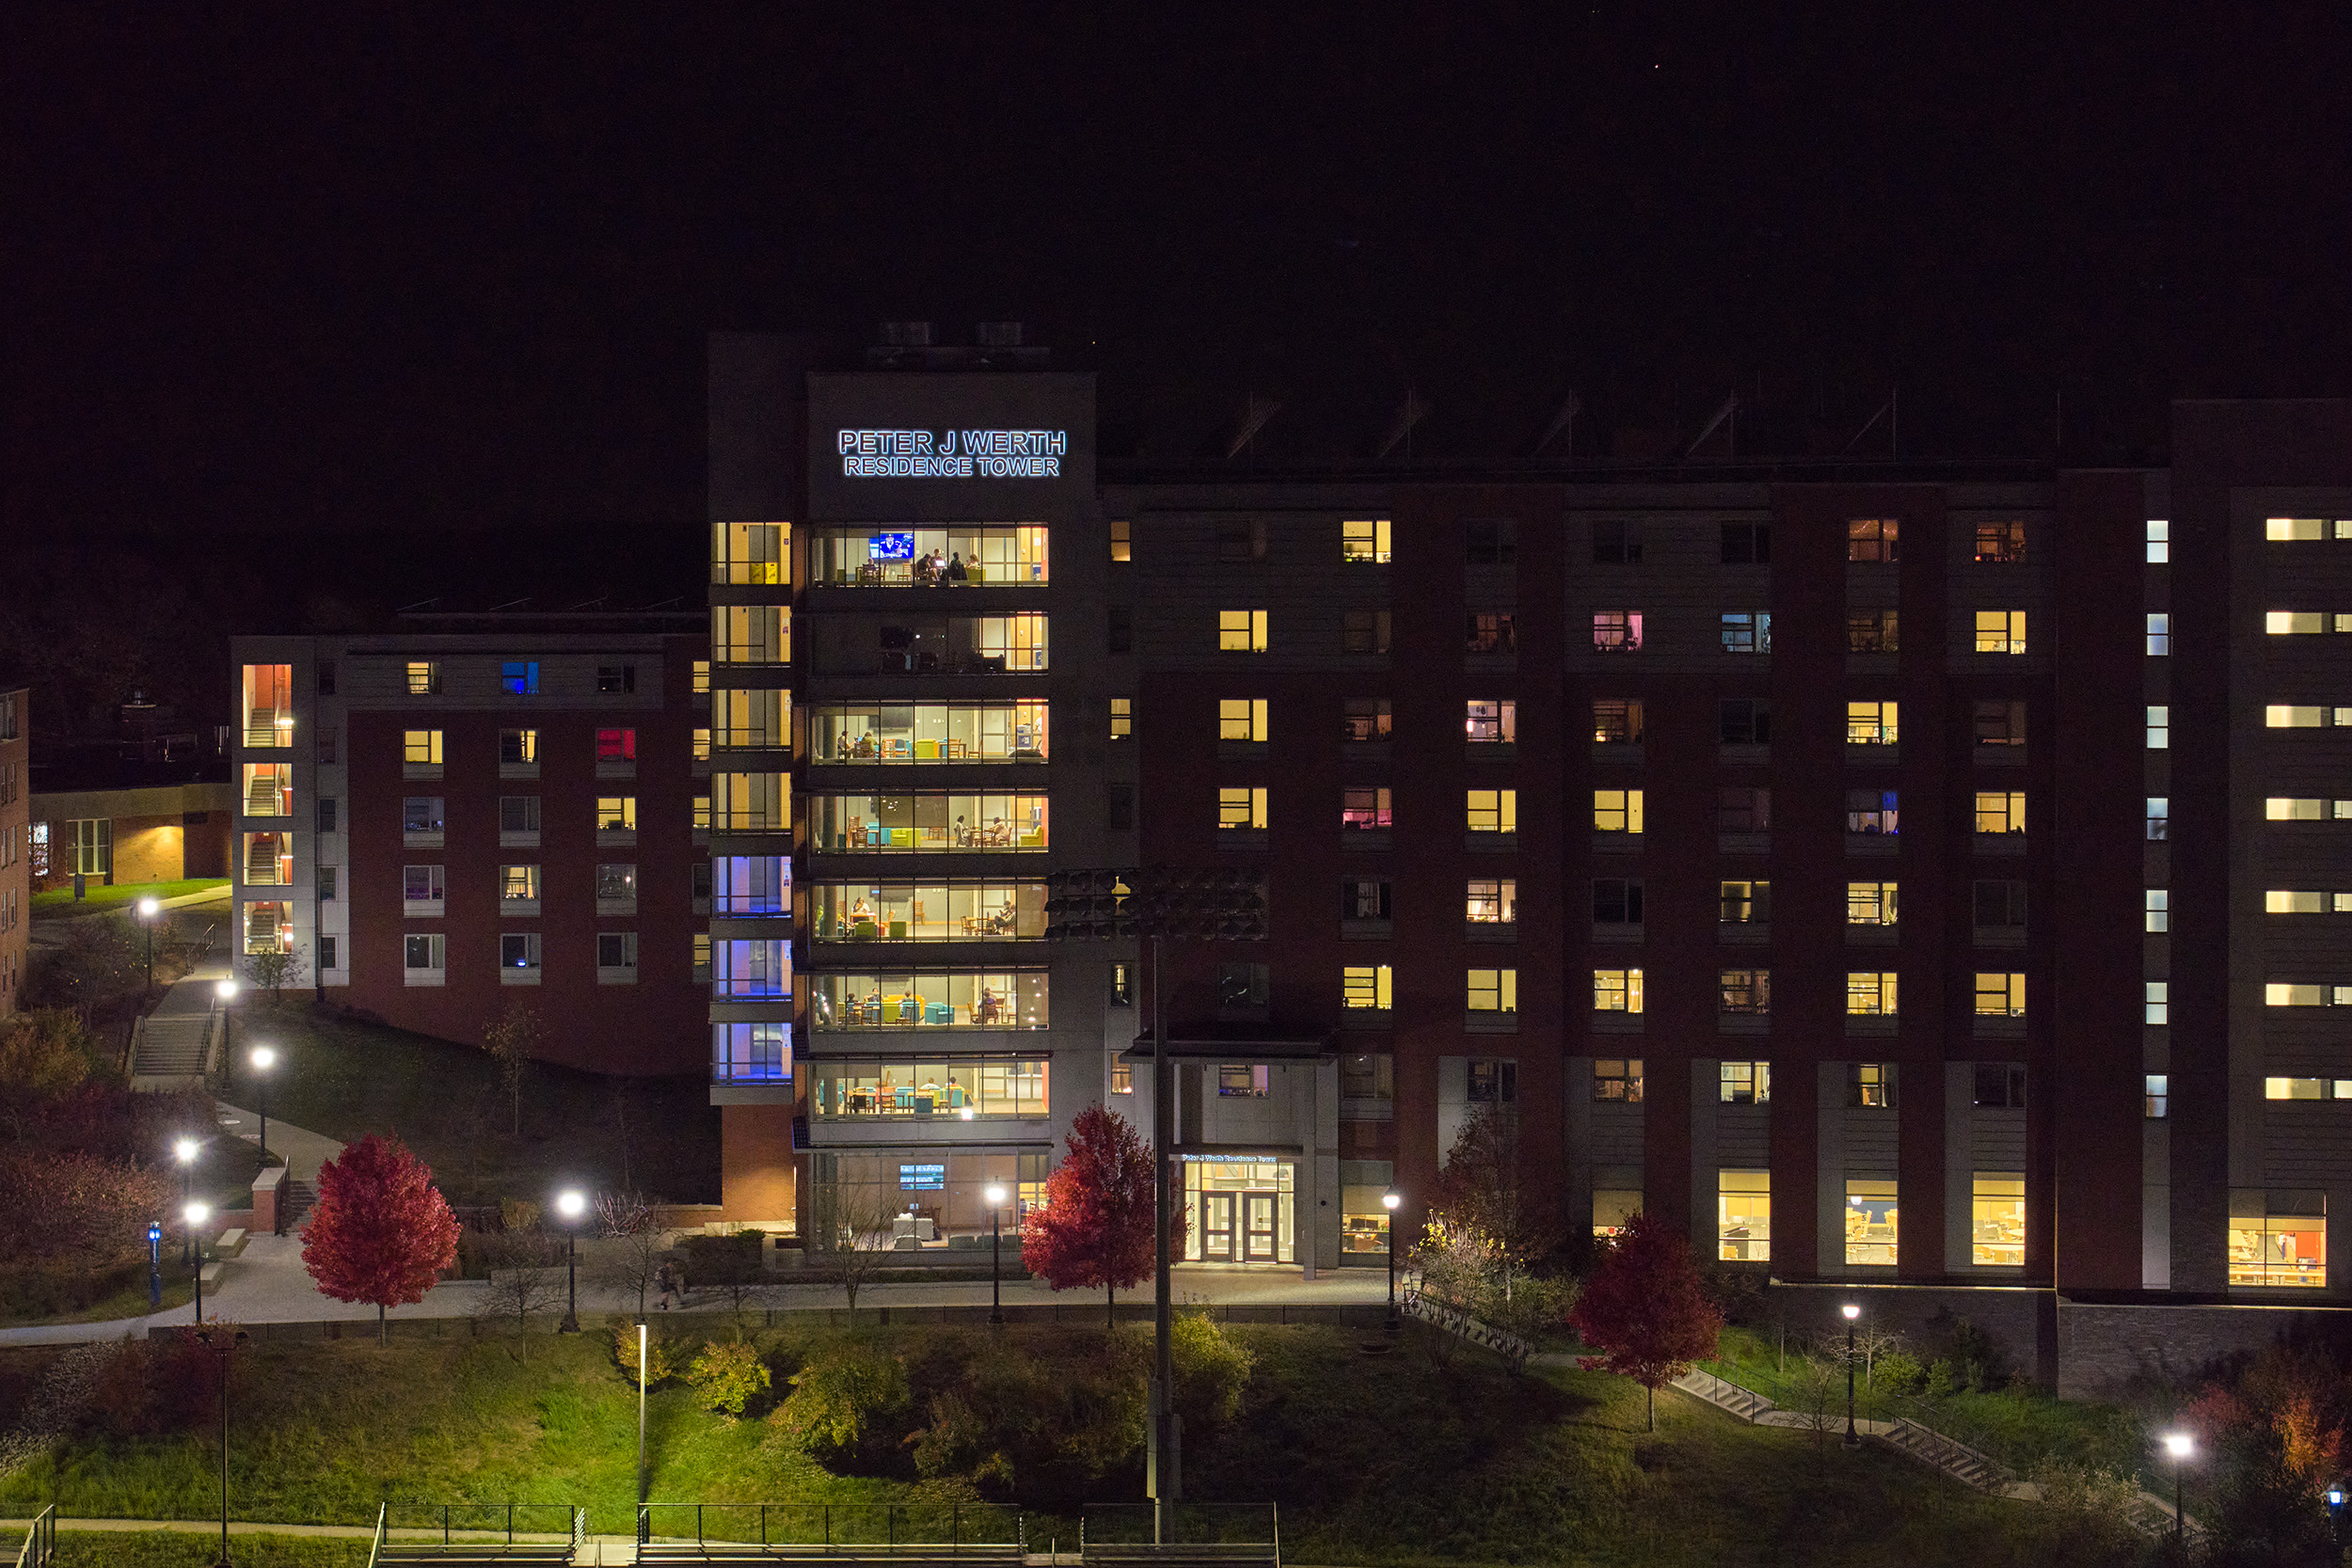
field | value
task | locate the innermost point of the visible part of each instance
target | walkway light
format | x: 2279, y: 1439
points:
x: 196, y: 1215
x: 263, y: 1058
x: 148, y: 909
x: 571, y: 1203
x: 1851, y: 1311
x: 1391, y: 1200
x: 995, y: 1195
x: 2180, y: 1445
x: 185, y: 1151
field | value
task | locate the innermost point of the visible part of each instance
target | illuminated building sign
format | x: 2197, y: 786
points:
x: 952, y: 454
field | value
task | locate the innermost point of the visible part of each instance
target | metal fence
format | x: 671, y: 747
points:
x: 951, y: 1525
x: 510, y: 1519
x: 41, y: 1541
x: 1196, y: 1524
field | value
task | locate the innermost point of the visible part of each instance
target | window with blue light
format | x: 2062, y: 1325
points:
x: 520, y: 677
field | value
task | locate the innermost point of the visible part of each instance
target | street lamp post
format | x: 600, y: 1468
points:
x: 263, y: 1058
x: 227, y: 991
x: 154, y: 1263
x: 148, y: 909
x: 1390, y: 1200
x: 571, y: 1204
x: 2180, y: 1445
x: 1853, y: 1438
x: 196, y: 1213
x: 184, y: 1150
x: 995, y: 1196
x: 221, y: 1345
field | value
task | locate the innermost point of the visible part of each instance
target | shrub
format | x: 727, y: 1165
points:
x: 516, y: 1214
x: 1211, y: 1370
x: 659, y: 1368
x: 728, y: 1375
x: 145, y: 1387
x: 849, y: 1405
x: 1900, y: 1373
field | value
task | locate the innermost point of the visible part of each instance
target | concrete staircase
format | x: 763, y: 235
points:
x: 298, y: 1195
x: 167, y: 1050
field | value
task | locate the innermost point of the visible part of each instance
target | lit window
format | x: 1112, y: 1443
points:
x: 2282, y: 716
x: 2000, y: 994
x: 518, y: 746
x: 1365, y: 539
x: 2289, y: 901
x: 2001, y: 542
x: 1241, y: 718
x: 1122, y: 1074
x: 1616, y: 811
x: 1241, y: 631
x: 1873, y: 631
x: 1745, y: 990
x: 702, y: 677
x: 1123, y: 717
x: 2000, y: 811
x: 1998, y: 1226
x: 2294, y: 529
x: 1617, y: 721
x: 1873, y: 724
x: 1364, y: 808
x: 1616, y: 991
x: 2159, y: 541
x: 1872, y: 992
x: 2294, y: 622
x: 1747, y: 903
x: 1494, y: 723
x: 1618, y: 1081
x: 1494, y: 990
x: 2299, y: 808
x: 1237, y: 1081
x: 751, y: 634
x: 2159, y: 818
x: 1496, y: 811
x: 2160, y: 909
x: 1870, y: 1085
x: 1491, y: 631
x: 1746, y: 1083
x: 1240, y: 806
x: 1366, y: 987
x: 2158, y: 1092
x: 1613, y: 1208
x: 616, y: 814
x: 420, y: 747
x: 518, y: 884
x: 1872, y: 810
x: 519, y: 677
x: 1123, y: 539
x: 424, y: 678
x: 1871, y: 1223
x: 1871, y: 903
x: 1871, y: 539
x: 2279, y: 1238
x: 2000, y: 632
x: 1616, y: 632
x: 1747, y: 631
x: 1744, y: 1216
x: 616, y: 745
x: 2159, y: 634
x: 2156, y: 1003
x: 2159, y: 727
x: 518, y: 950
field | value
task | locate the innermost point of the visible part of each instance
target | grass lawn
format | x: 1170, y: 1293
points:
x: 99, y: 900
x: 129, y: 1301
x: 346, y: 1078
x: 178, y: 1549
x: 1372, y: 1458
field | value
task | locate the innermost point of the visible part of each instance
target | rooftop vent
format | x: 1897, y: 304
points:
x: 906, y: 334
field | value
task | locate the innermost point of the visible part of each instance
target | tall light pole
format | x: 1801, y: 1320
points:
x: 263, y: 1058
x: 185, y: 1151
x: 642, y: 1351
x: 1390, y: 1200
x: 1853, y: 1438
x: 2180, y: 1445
x: 221, y: 1344
x: 995, y: 1193
x: 196, y: 1215
x: 571, y: 1204
x: 148, y: 909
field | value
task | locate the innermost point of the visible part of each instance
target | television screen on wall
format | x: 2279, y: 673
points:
x: 891, y: 547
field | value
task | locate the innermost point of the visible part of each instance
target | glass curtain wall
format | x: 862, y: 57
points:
x: 928, y: 911
x: 968, y: 1088
x: 928, y: 731
x: 928, y: 822
x: 958, y: 999
x: 910, y: 555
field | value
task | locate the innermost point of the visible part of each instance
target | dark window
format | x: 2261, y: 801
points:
x: 195, y: 818
x: 1122, y: 808
x: 1492, y: 541
x: 1491, y: 631
x: 701, y: 882
x: 1872, y: 631
x: 616, y: 678
x: 327, y: 817
x: 1364, y: 631
x: 1365, y: 899
x: 326, y: 953
x: 1869, y: 1084
x: 1747, y: 544
x: 1241, y: 985
x: 1744, y: 721
x: 2001, y: 1084
x: 326, y: 679
x: 1742, y: 809
x: 1241, y: 538
x: 2000, y: 721
x: 327, y: 881
x: 1493, y: 1082
x: 1366, y: 718
x: 2000, y: 903
x: 1123, y: 633
x: 1872, y: 810
x: 1617, y: 543
x: 1617, y: 901
x: 1368, y: 1075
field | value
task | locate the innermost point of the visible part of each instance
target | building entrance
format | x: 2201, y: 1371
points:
x: 1238, y: 1211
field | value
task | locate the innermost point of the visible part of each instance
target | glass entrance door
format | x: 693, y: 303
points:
x: 1258, y: 1192
x: 1216, y: 1227
x: 1258, y: 1227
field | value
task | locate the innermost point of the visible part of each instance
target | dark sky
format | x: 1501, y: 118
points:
x: 309, y: 269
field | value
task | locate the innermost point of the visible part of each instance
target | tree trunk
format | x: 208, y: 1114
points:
x: 1110, y: 1306
x: 1653, y: 1408
x: 383, y: 1334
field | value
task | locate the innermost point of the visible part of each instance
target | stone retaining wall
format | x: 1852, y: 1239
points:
x: 2104, y: 1348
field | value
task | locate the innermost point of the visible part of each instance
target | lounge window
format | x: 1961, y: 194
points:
x: 518, y: 950
x: 2279, y: 1238
x: 1870, y: 1085
x: 2159, y: 910
x: 1616, y: 900
x: 616, y: 814
x: 1744, y: 721
x: 924, y: 823
x: 2159, y: 634
x: 1493, y: 992
x: 1870, y: 904
x: 1746, y: 903
x: 1007, y: 999
x: 1997, y: 1221
x: 1366, y: 987
x: 1872, y: 540
x: 1873, y: 631
x: 1745, y: 1083
x: 1617, y: 721
x: 1494, y: 901
x: 424, y: 677
x: 1999, y: 720
x: 1616, y: 811
x: 752, y: 802
x: 1747, y: 544
x: 1241, y: 718
x: 751, y: 634
x: 1241, y: 631
x: 616, y: 745
x: 1122, y: 540
x: 1744, y: 1216
x: 2001, y: 542
x: 2000, y: 994
x: 1872, y: 723
x: 909, y: 734
x: 519, y: 677
x: 1363, y: 809
x: 518, y: 884
x: 1745, y: 990
x: 517, y: 747
x: 761, y: 967
x: 1617, y: 1081
x: 1492, y: 811
x: 1616, y: 632
x: 1747, y: 631
x: 1241, y: 807
x: 1491, y: 542
x: 749, y: 555
x: 2000, y: 632
x: 2000, y: 811
x: 928, y: 911
x: 1364, y: 631
x: 752, y: 720
x: 1491, y: 631
x: 1365, y: 541
x: 421, y: 747
x: 960, y: 555
x: 964, y: 1088
x: 1872, y: 810
x: 1743, y: 809
x: 1872, y: 1225
x: 1364, y: 718
x: 1123, y: 717
x: 1492, y: 721
x: 1870, y: 993
x: 1616, y: 991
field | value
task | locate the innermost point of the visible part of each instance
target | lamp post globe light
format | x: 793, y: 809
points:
x: 1851, y: 1311
x: 995, y: 1193
x: 571, y: 1203
x: 2180, y: 1445
x: 185, y: 1151
x: 1390, y: 1200
x: 264, y: 1057
x: 149, y: 910
x: 196, y: 1215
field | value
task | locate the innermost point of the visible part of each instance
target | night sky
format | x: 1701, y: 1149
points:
x: 310, y: 271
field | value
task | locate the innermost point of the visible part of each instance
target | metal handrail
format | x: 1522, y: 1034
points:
x: 376, y: 1548
x: 40, y: 1540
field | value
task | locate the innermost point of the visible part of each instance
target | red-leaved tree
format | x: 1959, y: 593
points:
x: 1095, y: 1228
x: 380, y: 1231
x: 1645, y: 1310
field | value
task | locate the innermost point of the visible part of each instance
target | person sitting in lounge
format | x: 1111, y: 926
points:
x: 957, y: 576
x: 989, y: 1007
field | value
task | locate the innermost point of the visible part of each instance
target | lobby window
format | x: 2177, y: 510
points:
x: 1365, y: 539
x: 2000, y: 632
x: 1363, y: 808
x: 2000, y: 811
x: 2159, y: 913
x: 1997, y: 1224
x: 1616, y: 900
x: 1869, y: 1085
x: 1616, y: 811
x: 616, y: 814
x: 1492, y: 1081
x: 1873, y: 631
x: 2294, y: 622
x: 1368, y: 1075
x: 1123, y: 539
x: 1872, y: 810
x: 1491, y: 542
x: 1242, y: 985
x: 2278, y: 1237
x: 1241, y: 538
x: 2159, y: 818
x: 1493, y: 992
x: 518, y: 950
x: 1617, y: 721
x: 1613, y: 1208
x: 1872, y: 539
x: 2159, y: 541
x: 2159, y: 728
x: 519, y: 677
x: 1492, y: 811
x: 1999, y: 720
x: 1241, y: 718
x: 1123, y: 717
x: 1616, y: 991
x: 1747, y: 631
x: 516, y: 747
x: 1240, y: 807
x: 1241, y: 631
x: 1870, y: 993
x: 2001, y: 542
x: 1745, y: 1083
x: 518, y: 884
x: 1491, y: 631
x: 613, y: 678
x: 1745, y: 990
x: 1870, y: 904
x: 2159, y: 634
x: 1744, y: 1216
x: 2000, y: 1085
x: 1743, y: 721
x: 2000, y: 905
x: 1747, y: 544
x: 1242, y: 1082
x: 1493, y: 721
x: 1364, y: 631
x: 1367, y: 987
x: 2156, y: 1003
x: 1743, y: 809
x: 1616, y: 543
x: 1364, y: 718
x: 1616, y: 1079
x: 1746, y: 903
x: 1873, y: 724
x: 421, y: 747
x: 2157, y: 1096
x: 424, y: 677
x: 1364, y: 899
x: 1616, y: 632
